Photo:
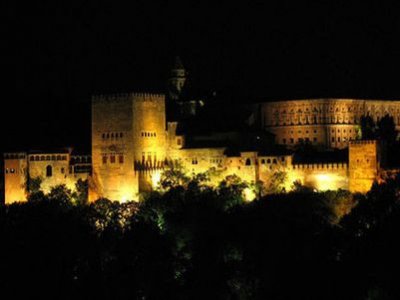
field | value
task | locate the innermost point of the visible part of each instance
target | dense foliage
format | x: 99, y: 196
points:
x: 198, y: 242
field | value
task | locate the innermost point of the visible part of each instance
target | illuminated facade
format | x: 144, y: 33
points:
x: 330, y: 123
x: 132, y: 141
x: 51, y: 169
x: 134, y: 138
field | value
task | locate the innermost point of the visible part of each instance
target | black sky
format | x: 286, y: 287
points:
x: 61, y: 53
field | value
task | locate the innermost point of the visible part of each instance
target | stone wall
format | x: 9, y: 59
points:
x: 364, y: 162
x: 15, y: 170
x: 113, y: 175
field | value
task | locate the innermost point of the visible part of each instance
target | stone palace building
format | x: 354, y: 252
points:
x: 136, y: 136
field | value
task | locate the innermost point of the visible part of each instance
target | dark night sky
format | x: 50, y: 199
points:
x: 61, y: 53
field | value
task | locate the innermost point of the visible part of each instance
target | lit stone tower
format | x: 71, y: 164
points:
x: 149, y: 138
x: 128, y: 144
x: 364, y: 164
x: 177, y: 79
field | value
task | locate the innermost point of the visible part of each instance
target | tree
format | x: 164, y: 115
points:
x: 33, y: 184
x: 387, y: 129
x: 368, y: 128
x: 81, y: 194
x: 36, y: 197
x: 61, y: 194
x: 277, y: 181
x: 174, y: 175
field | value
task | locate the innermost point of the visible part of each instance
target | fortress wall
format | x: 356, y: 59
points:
x: 59, y: 171
x: 330, y: 176
x: 201, y: 160
x: 15, y: 178
x: 113, y: 175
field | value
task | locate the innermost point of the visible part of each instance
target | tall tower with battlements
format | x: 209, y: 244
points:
x: 128, y: 144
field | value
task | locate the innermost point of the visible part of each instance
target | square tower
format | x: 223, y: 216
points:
x: 128, y: 144
x: 364, y: 163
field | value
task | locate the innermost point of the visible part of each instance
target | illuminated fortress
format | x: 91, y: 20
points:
x: 134, y: 138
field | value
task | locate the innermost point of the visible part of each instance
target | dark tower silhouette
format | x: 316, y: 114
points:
x: 176, y: 80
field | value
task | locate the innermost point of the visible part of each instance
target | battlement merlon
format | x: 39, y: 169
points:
x: 14, y: 155
x: 136, y: 96
x: 363, y: 142
x: 321, y: 166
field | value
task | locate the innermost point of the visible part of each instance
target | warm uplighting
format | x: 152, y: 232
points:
x: 155, y: 179
x: 325, y: 182
x: 249, y: 194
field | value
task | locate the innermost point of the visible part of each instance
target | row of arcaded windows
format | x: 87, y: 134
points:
x: 264, y: 161
x: 112, y: 159
x: 148, y: 134
x: 299, y: 140
x: 112, y: 135
x: 80, y: 159
x: 216, y: 160
x: 47, y: 157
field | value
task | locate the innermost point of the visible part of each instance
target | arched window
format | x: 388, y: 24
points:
x: 48, y: 157
x: 268, y: 161
x: 58, y: 157
x: 37, y: 157
x: 32, y: 158
x: 262, y: 161
x: 49, y: 171
x: 248, y: 162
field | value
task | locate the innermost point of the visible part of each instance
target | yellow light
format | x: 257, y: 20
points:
x: 325, y: 182
x: 155, y: 179
x: 249, y: 194
x: 124, y: 199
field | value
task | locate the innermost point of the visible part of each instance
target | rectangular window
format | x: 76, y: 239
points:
x: 284, y: 141
x: 104, y: 159
x: 179, y: 142
x: 112, y: 159
x: 291, y: 140
x: 121, y: 159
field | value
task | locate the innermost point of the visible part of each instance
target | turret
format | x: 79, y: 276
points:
x: 176, y: 80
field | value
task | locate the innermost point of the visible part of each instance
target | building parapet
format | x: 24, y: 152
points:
x: 126, y: 96
x: 363, y: 142
x: 321, y: 166
x: 14, y: 155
